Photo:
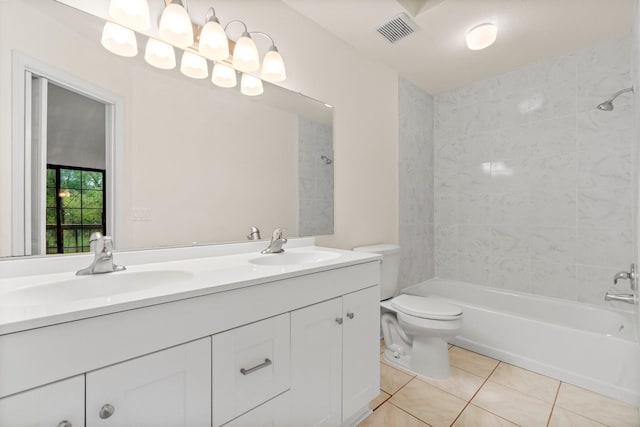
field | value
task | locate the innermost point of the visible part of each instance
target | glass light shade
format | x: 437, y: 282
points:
x: 160, y: 54
x: 273, y: 67
x: 481, y: 36
x: 245, y: 55
x: 194, y: 66
x: 131, y: 13
x: 175, y: 26
x: 213, y: 42
x: 223, y: 75
x: 251, y: 85
x: 119, y: 40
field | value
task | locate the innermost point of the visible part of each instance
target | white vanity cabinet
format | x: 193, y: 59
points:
x: 60, y: 404
x: 291, y: 349
x: 169, y: 388
x: 335, y: 358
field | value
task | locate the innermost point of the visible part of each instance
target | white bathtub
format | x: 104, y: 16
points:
x: 591, y: 347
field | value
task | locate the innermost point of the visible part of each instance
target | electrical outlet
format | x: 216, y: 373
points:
x: 142, y: 214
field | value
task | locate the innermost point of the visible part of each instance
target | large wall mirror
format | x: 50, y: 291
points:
x: 182, y: 161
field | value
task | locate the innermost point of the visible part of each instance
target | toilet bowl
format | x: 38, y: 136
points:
x: 415, y: 328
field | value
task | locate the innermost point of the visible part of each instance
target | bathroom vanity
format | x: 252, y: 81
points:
x: 228, y: 337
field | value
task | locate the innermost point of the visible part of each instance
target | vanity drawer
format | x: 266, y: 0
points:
x: 274, y: 413
x: 250, y: 365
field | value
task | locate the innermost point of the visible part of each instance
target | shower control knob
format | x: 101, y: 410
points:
x: 350, y: 315
x: 339, y: 320
x: 106, y: 411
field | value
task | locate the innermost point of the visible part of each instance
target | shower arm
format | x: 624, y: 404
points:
x: 620, y: 92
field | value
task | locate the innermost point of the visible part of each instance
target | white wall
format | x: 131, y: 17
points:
x: 534, y: 185
x: 319, y: 65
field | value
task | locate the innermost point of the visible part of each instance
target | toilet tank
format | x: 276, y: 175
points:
x: 388, y: 269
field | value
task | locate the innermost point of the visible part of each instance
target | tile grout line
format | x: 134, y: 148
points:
x: 408, y: 413
x: 476, y: 393
x: 553, y: 407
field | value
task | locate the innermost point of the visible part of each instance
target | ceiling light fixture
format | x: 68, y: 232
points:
x: 199, y: 42
x: 482, y: 36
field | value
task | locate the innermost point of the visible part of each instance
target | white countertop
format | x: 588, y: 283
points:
x: 166, y: 281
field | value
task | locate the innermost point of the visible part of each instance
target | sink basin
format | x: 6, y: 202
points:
x: 77, y: 288
x: 294, y: 258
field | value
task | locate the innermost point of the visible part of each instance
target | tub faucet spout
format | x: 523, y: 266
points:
x: 628, y: 298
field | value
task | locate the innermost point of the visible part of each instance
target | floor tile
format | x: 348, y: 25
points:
x: 391, y: 380
x: 563, y: 418
x: 389, y: 415
x: 472, y: 362
x: 428, y: 403
x: 460, y: 383
x: 381, y: 346
x: 473, y: 416
x: 513, y: 405
x: 382, y: 397
x: 527, y: 382
x: 597, y: 407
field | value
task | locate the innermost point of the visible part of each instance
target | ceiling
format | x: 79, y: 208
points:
x: 436, y: 57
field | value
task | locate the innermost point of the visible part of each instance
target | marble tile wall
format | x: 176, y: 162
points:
x: 315, y: 178
x: 534, y: 186
x: 416, y: 149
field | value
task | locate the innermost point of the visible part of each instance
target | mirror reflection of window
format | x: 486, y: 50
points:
x: 75, y: 208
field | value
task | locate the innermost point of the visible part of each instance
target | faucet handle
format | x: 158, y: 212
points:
x: 277, y: 233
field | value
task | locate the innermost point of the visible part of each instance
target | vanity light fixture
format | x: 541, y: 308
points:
x: 131, y: 13
x: 213, y: 42
x: 194, y: 66
x: 250, y: 85
x: 119, y: 40
x: 482, y: 36
x: 175, y: 25
x: 245, y: 52
x: 199, y: 42
x: 160, y: 54
x: 223, y: 75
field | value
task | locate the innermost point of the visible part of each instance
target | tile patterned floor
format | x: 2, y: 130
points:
x: 483, y: 392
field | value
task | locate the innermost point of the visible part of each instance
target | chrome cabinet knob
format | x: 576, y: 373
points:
x: 339, y: 320
x: 106, y: 411
x: 64, y: 423
x: 350, y: 315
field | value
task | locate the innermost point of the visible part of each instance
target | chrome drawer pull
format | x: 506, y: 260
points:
x: 106, y: 411
x: 267, y: 362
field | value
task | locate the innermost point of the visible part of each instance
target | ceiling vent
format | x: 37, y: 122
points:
x: 399, y: 27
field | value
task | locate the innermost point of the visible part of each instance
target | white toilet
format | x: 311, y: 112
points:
x: 415, y: 328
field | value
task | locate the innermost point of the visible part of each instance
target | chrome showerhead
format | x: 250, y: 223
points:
x: 608, y: 104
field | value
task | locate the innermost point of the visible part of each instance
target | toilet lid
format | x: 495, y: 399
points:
x: 425, y: 307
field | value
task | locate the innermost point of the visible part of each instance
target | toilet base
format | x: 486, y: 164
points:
x: 430, y: 357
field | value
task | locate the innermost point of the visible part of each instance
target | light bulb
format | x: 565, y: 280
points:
x: 194, y: 66
x: 131, y: 13
x: 160, y: 54
x: 245, y: 54
x: 175, y: 26
x: 251, y: 85
x: 481, y: 36
x: 223, y: 75
x: 119, y: 40
x: 213, y: 43
x: 273, y: 66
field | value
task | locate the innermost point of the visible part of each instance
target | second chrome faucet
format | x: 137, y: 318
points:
x: 275, y: 246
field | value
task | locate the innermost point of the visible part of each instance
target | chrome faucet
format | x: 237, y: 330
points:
x: 102, y: 246
x: 275, y: 246
x: 630, y: 275
x: 255, y: 234
x: 628, y: 298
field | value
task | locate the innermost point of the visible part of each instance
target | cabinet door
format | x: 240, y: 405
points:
x: 45, y: 406
x: 316, y: 364
x: 361, y: 351
x: 169, y: 388
x: 274, y: 413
